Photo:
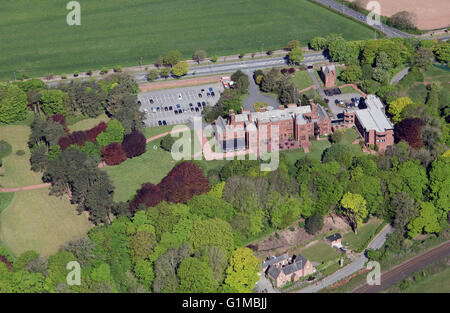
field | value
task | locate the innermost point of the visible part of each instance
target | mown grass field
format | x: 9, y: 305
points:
x: 36, y: 40
x: 16, y: 171
x: 365, y: 231
x: 36, y: 221
x: 320, y: 252
x: 437, y: 283
x: 302, y: 80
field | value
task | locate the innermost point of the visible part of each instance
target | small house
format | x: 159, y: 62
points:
x: 335, y: 240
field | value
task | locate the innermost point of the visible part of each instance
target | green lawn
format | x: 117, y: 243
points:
x: 359, y: 241
x: 88, y: 123
x: 36, y: 221
x: 315, y: 151
x: 5, y: 200
x: 437, y: 283
x: 16, y: 171
x: 302, y: 80
x: 348, y: 89
x: 320, y: 252
x: 152, y: 166
x: 36, y: 39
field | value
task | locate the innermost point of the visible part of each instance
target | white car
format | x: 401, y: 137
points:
x: 180, y: 97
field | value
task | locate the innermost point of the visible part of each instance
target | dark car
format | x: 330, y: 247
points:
x: 190, y: 104
x: 199, y: 95
x: 196, y: 109
x: 192, y: 109
x: 170, y: 108
x: 213, y: 94
x: 164, y: 123
x: 166, y: 109
x: 180, y: 111
x: 210, y: 89
x: 199, y: 104
x: 159, y: 123
x: 208, y: 94
x: 176, y: 112
x: 151, y: 101
x: 203, y: 103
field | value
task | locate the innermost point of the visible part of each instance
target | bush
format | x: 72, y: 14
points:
x: 113, y: 154
x: 5, y: 149
x: 314, y: 223
x: 167, y: 143
x: 63, y: 76
x: 76, y: 73
x: 117, y: 68
x: 104, y: 70
x: 134, y: 144
x: 20, y: 152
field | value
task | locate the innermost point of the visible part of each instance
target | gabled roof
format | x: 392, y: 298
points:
x: 373, y: 118
x: 334, y: 237
x: 274, y: 260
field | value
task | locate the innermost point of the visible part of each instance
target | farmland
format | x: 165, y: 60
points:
x: 36, y: 39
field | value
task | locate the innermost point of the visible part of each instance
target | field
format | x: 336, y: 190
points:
x: 431, y: 14
x: 320, y: 252
x: 36, y: 221
x: 16, y: 168
x: 152, y: 166
x: 36, y: 39
x: 437, y: 283
x: 365, y: 232
x: 302, y: 80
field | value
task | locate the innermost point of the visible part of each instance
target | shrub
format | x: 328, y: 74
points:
x: 167, y: 143
x: 104, y: 70
x: 95, y: 131
x: 117, y: 68
x: 59, y: 118
x: 134, y: 144
x: 113, y: 154
x: 89, y: 72
x: 63, y: 76
x: 5, y: 149
x: 149, y: 195
x: 76, y: 73
x: 20, y: 152
x: 314, y: 223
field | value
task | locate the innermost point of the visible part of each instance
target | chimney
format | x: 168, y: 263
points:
x: 232, y: 116
x: 313, y: 108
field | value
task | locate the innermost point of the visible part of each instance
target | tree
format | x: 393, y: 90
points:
x: 195, y: 276
x: 351, y: 74
x: 180, y: 69
x: 405, y: 210
x: 141, y: 245
x: 241, y: 274
x: 143, y: 270
x: 199, y: 55
x: 159, y: 61
x: 339, y: 153
x: 314, y: 223
x: 397, y: 106
x: 318, y: 43
x: 354, y: 207
x: 153, y: 74
x: 113, y: 154
x: 207, y: 205
x: 403, y: 20
x: 183, y: 182
x: 13, y: 103
x: 293, y: 44
x: 167, y: 143
x: 422, y: 58
x: 295, y: 56
x: 426, y: 221
x: 440, y: 181
x: 241, y: 82
x: 382, y: 61
x: 211, y: 232
x: 380, y: 75
x: 172, y: 57
x: 410, y: 130
x: 134, y: 144
x: 148, y: 194
x: 442, y: 51
x: 114, y: 133
x: 53, y: 101
x: 165, y: 72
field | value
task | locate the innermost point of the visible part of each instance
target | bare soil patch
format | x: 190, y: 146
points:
x: 431, y: 14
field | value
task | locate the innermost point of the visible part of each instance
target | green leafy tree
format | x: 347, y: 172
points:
x: 241, y: 274
x: 53, y: 101
x: 397, y: 106
x: 318, y: 43
x: 199, y: 55
x: 314, y: 223
x: 143, y: 270
x: 212, y: 232
x: 13, y: 103
x: 354, y: 206
x: 426, y: 221
x: 295, y: 56
x: 172, y: 57
x: 165, y: 72
x: 351, y: 74
x: 196, y: 276
x: 114, y: 133
x: 180, y: 69
x: 292, y: 45
x: 153, y: 74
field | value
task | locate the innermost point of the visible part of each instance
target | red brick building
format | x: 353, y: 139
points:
x: 329, y: 75
x: 284, y: 128
x: 284, y: 269
x: 371, y: 123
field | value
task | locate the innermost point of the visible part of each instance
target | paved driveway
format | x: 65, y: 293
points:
x: 351, y: 268
x: 257, y: 96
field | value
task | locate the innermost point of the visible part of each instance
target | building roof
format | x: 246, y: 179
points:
x: 274, y: 260
x: 328, y: 68
x: 334, y: 237
x: 298, y: 264
x: 373, y: 118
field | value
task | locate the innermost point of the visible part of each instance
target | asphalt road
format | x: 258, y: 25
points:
x: 406, y: 268
x: 351, y: 268
x: 389, y: 31
x: 247, y: 65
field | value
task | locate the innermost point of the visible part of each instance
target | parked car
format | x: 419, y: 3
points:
x: 178, y: 105
x: 213, y: 94
x: 210, y: 89
x: 166, y: 109
x: 164, y: 123
x: 199, y: 95
x: 170, y: 108
x: 180, y: 97
x: 151, y: 100
x: 159, y: 123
